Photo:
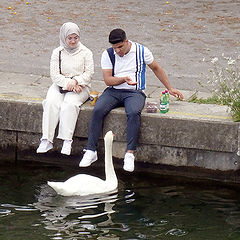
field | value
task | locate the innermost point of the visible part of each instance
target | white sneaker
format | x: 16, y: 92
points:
x: 88, y: 158
x: 66, y: 148
x: 44, y: 146
x: 129, y: 162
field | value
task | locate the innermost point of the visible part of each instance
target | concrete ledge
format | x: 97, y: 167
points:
x: 167, y: 139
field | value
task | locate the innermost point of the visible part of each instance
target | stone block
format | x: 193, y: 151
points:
x: 8, y: 146
x: 157, y: 154
x: 84, y: 117
x: 207, y: 135
x: 20, y: 116
x: 116, y: 122
x: 223, y: 161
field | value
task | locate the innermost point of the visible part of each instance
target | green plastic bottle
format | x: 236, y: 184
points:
x: 163, y: 103
x: 168, y: 99
x: 167, y: 95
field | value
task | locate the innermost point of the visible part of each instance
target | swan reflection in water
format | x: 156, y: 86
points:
x: 76, y: 216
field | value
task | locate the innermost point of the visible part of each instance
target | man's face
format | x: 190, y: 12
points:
x: 121, y: 48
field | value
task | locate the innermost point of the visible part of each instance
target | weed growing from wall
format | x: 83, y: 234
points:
x: 224, y: 84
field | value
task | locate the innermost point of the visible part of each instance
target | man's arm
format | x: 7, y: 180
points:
x: 161, y: 75
x: 114, y: 81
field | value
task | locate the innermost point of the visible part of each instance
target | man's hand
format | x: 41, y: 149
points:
x: 176, y: 93
x: 129, y: 81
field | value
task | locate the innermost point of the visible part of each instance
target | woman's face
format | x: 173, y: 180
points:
x: 72, y: 40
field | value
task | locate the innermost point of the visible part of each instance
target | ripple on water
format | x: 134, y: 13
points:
x: 19, y: 208
x: 152, y: 212
x: 4, y: 212
x: 176, y: 232
x: 26, y: 209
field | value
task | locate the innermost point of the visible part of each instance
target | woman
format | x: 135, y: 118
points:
x: 71, y: 69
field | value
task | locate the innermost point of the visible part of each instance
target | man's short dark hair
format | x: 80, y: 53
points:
x: 117, y: 35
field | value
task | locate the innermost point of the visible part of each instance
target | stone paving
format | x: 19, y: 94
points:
x: 183, y: 35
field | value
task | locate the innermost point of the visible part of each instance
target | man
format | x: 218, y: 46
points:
x: 123, y: 68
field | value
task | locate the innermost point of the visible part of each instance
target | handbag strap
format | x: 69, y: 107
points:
x: 60, y: 62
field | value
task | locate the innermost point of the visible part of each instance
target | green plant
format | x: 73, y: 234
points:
x: 210, y: 100
x: 224, y: 84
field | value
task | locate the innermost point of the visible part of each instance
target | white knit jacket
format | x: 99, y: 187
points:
x: 79, y: 66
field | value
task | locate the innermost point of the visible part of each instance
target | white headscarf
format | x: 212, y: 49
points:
x: 67, y: 29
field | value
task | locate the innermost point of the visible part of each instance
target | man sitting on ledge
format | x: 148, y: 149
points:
x: 123, y: 68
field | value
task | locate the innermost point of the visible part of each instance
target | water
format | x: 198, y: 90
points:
x: 146, y: 206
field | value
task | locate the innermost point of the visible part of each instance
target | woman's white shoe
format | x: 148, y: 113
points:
x: 67, y: 147
x: 44, y: 146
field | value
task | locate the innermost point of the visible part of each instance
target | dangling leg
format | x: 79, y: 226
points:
x: 134, y: 104
x: 106, y: 102
x: 51, y: 108
x: 68, y: 117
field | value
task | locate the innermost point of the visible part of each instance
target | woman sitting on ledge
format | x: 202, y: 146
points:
x: 71, y: 70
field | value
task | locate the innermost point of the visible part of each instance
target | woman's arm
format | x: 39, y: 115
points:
x: 85, y: 78
x: 55, y: 75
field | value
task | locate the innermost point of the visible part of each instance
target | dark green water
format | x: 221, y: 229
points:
x: 146, y: 206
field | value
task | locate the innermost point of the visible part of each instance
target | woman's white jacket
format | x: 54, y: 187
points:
x: 78, y: 66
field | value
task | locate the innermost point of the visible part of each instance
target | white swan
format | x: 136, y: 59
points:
x: 83, y: 184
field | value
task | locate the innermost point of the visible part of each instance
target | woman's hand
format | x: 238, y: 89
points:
x: 77, y: 89
x: 71, y: 84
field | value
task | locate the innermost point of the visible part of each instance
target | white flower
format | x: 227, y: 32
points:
x: 214, y: 60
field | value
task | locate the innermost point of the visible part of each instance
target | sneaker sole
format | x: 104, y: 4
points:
x: 88, y: 164
x: 65, y: 153
x: 41, y: 151
x: 128, y: 169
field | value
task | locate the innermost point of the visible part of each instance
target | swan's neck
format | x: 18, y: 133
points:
x: 109, y: 168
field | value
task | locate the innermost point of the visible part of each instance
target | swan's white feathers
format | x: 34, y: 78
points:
x: 83, y: 184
